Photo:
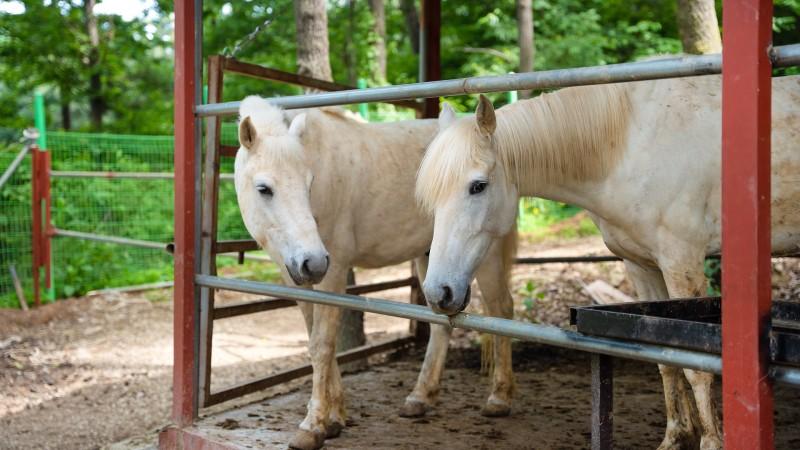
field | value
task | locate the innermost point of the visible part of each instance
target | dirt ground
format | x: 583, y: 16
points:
x: 85, y: 373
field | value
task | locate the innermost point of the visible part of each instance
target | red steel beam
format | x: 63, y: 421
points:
x: 184, y: 392
x: 430, y: 49
x: 36, y: 222
x: 746, y: 122
x: 47, y: 227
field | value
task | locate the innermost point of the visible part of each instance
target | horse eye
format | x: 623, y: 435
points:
x: 477, y: 187
x: 263, y: 189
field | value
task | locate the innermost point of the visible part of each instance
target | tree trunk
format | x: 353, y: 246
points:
x: 311, y: 20
x: 349, y: 56
x: 379, y: 28
x: 525, y: 38
x: 698, y: 27
x: 66, y: 113
x: 409, y: 9
x: 96, y: 102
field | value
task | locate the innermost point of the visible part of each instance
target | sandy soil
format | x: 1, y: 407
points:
x: 552, y: 408
x: 88, y: 372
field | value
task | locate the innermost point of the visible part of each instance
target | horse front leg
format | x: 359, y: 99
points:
x: 325, y: 415
x: 426, y: 391
x: 689, y: 281
x: 681, y: 431
x: 492, y: 277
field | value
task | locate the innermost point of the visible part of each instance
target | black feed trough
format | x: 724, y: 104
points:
x: 693, y: 324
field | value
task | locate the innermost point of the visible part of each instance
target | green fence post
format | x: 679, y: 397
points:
x: 40, y: 121
x: 363, y: 108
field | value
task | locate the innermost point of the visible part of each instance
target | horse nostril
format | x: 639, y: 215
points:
x: 448, y: 295
x: 305, y: 268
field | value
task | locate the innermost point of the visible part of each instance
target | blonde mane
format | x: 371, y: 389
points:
x: 575, y: 134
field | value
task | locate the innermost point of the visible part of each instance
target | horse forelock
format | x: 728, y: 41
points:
x: 267, y: 119
x: 450, y: 157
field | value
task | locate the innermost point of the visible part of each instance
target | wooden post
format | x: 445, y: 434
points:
x: 746, y: 288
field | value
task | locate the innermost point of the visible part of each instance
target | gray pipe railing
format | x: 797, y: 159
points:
x: 14, y: 165
x: 682, y: 66
x: 505, y: 327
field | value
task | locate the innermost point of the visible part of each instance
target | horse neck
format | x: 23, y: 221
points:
x: 563, y: 145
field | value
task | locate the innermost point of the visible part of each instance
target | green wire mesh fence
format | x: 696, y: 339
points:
x: 15, y: 222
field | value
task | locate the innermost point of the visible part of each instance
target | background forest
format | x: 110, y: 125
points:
x: 102, y: 73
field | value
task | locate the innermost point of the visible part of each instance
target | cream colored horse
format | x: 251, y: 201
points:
x: 643, y: 158
x: 328, y: 192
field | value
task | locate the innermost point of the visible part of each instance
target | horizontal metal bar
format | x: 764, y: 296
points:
x: 228, y: 150
x: 682, y: 66
x: 351, y: 355
x: 505, y: 327
x: 109, y: 239
x: 268, y: 304
x: 382, y: 286
x: 15, y: 163
x: 566, y: 259
x: 251, y: 307
x: 602, y: 258
x: 266, y: 73
x: 122, y: 175
x: 238, y: 245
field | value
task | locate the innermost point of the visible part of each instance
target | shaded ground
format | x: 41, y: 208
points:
x: 87, y: 372
x: 552, y: 408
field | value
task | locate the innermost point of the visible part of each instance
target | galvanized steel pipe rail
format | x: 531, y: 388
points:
x: 14, y: 165
x: 505, y: 327
x: 683, y: 66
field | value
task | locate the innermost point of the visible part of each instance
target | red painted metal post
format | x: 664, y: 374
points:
x: 47, y: 226
x: 746, y: 123
x: 184, y: 390
x: 430, y: 49
x: 36, y: 222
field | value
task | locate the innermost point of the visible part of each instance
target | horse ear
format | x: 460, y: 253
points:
x: 447, y: 116
x: 247, y: 133
x: 487, y: 122
x: 298, y: 125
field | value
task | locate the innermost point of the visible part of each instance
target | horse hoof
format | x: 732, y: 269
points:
x: 333, y: 430
x: 710, y: 443
x: 413, y: 409
x: 307, y: 440
x: 679, y: 441
x: 496, y: 409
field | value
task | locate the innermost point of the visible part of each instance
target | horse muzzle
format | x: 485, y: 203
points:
x: 446, y: 298
x: 308, y: 268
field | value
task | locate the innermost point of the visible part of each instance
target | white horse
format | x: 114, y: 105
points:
x: 643, y: 158
x: 328, y: 192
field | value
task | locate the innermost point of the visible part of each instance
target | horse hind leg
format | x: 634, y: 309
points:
x: 424, y: 395
x: 497, y: 302
x: 681, y: 431
x: 689, y: 281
